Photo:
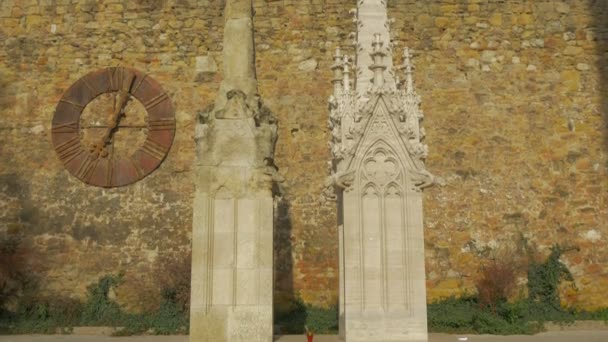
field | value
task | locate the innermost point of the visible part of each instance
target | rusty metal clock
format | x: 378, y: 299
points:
x: 113, y: 127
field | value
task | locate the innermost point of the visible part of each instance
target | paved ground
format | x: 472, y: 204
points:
x: 554, y: 336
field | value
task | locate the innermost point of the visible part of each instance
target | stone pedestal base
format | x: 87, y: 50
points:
x: 232, y: 276
x: 239, y: 324
x: 384, y: 293
x: 383, y: 327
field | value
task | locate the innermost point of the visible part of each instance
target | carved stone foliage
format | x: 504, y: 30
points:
x: 240, y: 106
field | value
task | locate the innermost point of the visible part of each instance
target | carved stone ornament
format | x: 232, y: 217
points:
x: 377, y: 177
x: 350, y: 115
x: 234, y: 199
x: 113, y: 127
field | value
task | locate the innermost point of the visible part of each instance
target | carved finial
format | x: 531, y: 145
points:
x: 408, y: 68
x: 354, y: 43
x: 346, y: 74
x: 378, y: 67
x: 337, y: 69
x: 388, y: 23
x: 377, y: 41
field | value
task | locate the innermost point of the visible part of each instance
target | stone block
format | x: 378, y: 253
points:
x: 205, y: 68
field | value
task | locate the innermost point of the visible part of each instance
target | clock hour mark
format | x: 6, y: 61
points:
x: 68, y: 127
x: 119, y: 72
x: 161, y: 124
x: 153, y: 149
x: 86, y: 168
x: 110, y: 73
x: 127, y: 83
x: 156, y: 100
x: 86, y: 84
x: 123, y: 79
x: 69, y: 150
x: 137, y: 167
x: 134, y: 90
x: 109, y: 171
x: 72, y: 103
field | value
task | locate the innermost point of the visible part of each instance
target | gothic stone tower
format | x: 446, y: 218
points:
x: 379, y: 173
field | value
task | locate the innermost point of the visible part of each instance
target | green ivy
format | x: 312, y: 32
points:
x: 99, y: 310
x: 451, y: 315
x: 524, y: 316
x: 169, y: 319
x: 59, y: 315
x: 544, y: 280
x: 465, y: 315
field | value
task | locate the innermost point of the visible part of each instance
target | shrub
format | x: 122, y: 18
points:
x: 301, y: 316
x: 292, y: 321
x: 465, y: 315
x: 490, y: 311
x: 452, y: 315
x: 49, y: 315
x: 322, y: 320
x: 169, y: 319
x: 46, y: 314
x: 14, y: 276
x: 98, y: 308
x: 496, y: 284
x: 61, y: 310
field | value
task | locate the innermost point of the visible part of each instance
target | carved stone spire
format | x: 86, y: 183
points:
x: 238, y: 98
x: 377, y: 178
x: 372, y: 33
x: 239, y: 54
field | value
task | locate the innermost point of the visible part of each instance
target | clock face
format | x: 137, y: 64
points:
x: 113, y: 127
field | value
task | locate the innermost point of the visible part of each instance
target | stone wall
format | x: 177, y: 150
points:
x: 512, y: 92
x: 75, y: 232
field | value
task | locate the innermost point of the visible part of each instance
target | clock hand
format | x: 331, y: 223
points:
x: 120, y: 101
x: 122, y: 97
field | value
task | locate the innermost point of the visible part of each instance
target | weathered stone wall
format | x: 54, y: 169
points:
x: 77, y: 233
x: 512, y: 91
x: 295, y: 41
